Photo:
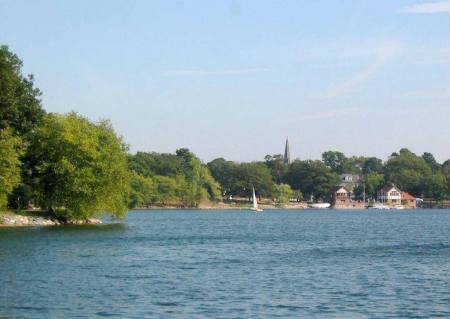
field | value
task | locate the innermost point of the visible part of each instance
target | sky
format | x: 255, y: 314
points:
x: 233, y: 79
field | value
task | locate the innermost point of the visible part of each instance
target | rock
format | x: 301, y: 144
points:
x: 89, y: 221
x: 20, y: 220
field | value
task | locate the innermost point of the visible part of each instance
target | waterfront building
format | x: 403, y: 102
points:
x: 340, y: 196
x: 409, y: 200
x: 390, y: 195
x: 350, y: 181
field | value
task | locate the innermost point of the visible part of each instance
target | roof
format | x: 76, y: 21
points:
x: 387, y: 188
x: 407, y: 196
x: 336, y: 188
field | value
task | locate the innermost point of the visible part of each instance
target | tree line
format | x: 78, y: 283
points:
x: 76, y: 168
x: 421, y: 176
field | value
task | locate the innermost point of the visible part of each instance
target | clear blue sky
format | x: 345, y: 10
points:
x: 234, y: 78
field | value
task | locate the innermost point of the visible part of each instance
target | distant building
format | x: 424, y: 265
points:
x: 409, y: 200
x: 340, y: 196
x: 350, y: 181
x: 287, y: 153
x: 390, y: 195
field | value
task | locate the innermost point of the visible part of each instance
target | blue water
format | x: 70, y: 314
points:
x: 232, y: 264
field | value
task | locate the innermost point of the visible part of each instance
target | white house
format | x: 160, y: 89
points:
x: 390, y: 194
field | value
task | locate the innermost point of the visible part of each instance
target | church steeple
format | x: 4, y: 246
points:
x: 287, y: 153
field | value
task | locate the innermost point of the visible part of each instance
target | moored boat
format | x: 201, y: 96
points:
x: 319, y: 205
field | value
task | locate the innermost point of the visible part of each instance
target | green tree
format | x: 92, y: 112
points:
x: 372, y: 165
x: 82, y: 170
x: 10, y: 150
x: 224, y: 173
x: 20, y: 105
x: 336, y: 161
x: 341, y: 164
x: 211, y: 186
x: 277, y: 167
x: 312, y: 178
x: 150, y: 164
x: 253, y: 174
x: 408, y: 171
x: 431, y: 161
x: 167, y: 190
x: 373, y: 181
x: 142, y: 190
x: 192, y: 167
x: 283, y: 193
x: 240, y: 178
x: 436, y: 186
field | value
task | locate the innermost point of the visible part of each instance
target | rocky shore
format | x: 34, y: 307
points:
x: 16, y: 220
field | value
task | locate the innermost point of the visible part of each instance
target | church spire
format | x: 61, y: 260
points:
x: 287, y: 153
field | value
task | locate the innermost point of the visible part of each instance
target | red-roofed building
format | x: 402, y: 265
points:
x: 409, y: 200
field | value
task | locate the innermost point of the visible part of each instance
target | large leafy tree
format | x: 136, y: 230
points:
x: 253, y: 174
x: 10, y: 150
x: 408, y: 171
x: 431, y: 161
x: 372, y: 182
x: 150, y: 164
x: 277, y: 166
x: 20, y: 105
x: 81, y: 168
x: 436, y: 186
x: 283, y: 193
x: 336, y: 161
x: 312, y: 178
x: 240, y: 178
x: 372, y: 165
x: 223, y: 172
x: 142, y: 189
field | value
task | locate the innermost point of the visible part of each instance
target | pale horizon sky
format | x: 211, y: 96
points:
x: 233, y: 79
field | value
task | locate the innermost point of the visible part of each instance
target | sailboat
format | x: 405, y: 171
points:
x: 255, y: 207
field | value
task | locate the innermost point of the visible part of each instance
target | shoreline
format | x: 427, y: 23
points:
x: 11, y: 219
x: 37, y: 219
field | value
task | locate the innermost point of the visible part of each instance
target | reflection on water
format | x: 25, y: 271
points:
x: 344, y: 264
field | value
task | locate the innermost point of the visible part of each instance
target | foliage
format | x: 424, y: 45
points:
x: 239, y: 178
x: 150, y: 164
x: 436, y: 186
x: 371, y: 184
x: 312, y: 178
x: 82, y: 167
x: 10, y: 151
x: 408, y: 171
x: 283, y: 193
x: 167, y: 190
x: 336, y: 161
x: 431, y: 161
x: 20, y: 106
x: 178, y: 179
x: 277, y: 167
x: 224, y: 173
x: 372, y: 165
x: 253, y: 174
x: 142, y: 189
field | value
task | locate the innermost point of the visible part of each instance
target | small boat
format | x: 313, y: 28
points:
x: 380, y: 206
x: 255, y: 207
x: 319, y: 205
x: 398, y: 207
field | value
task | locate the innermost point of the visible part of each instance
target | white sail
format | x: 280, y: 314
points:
x: 255, y: 203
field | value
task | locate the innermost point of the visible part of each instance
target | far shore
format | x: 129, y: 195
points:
x: 39, y: 218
